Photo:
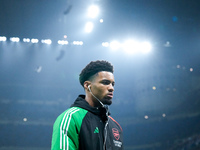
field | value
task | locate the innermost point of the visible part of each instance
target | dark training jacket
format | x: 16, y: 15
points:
x: 82, y: 127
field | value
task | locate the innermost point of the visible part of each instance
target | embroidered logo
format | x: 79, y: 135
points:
x: 115, y: 133
x: 96, y: 130
x: 117, y: 143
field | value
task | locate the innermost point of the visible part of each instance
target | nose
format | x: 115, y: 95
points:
x: 111, y: 88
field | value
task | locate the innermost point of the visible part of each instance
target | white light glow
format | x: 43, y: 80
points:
x: 105, y: 44
x: 26, y: 40
x: 3, y: 38
x: 115, y: 45
x: 101, y: 20
x: 145, y: 47
x: 89, y: 27
x: 34, y: 40
x: 178, y: 66
x: 63, y: 42
x: 14, y: 39
x: 25, y: 119
x: 46, y: 41
x: 93, y: 11
x: 77, y: 43
x: 131, y: 46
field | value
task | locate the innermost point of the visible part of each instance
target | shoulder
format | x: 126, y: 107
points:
x: 115, y: 122
x: 72, y: 114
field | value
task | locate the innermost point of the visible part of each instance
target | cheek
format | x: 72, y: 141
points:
x: 101, y: 91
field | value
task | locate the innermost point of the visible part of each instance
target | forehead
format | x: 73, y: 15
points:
x: 105, y: 75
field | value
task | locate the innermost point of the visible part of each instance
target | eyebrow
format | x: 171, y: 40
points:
x: 108, y: 80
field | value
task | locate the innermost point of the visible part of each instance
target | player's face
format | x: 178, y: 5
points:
x: 103, y: 87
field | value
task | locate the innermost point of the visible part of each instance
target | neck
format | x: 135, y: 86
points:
x: 92, y: 101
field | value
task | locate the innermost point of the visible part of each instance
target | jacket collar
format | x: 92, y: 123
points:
x: 101, y: 111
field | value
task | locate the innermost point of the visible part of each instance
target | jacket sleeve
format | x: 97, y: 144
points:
x: 65, y: 134
x: 117, y: 135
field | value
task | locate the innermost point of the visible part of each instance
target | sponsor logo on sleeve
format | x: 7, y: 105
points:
x: 117, y: 143
x: 117, y: 136
x: 115, y: 133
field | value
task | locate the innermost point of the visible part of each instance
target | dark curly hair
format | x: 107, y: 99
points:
x: 94, y: 67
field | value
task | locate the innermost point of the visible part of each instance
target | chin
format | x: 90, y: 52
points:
x: 108, y: 102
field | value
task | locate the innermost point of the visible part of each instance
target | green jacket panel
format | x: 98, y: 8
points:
x: 66, y: 129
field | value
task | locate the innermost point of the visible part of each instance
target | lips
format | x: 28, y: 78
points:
x: 110, y: 95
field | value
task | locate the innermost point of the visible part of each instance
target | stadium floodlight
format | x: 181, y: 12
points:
x: 14, y: 39
x: 146, y: 47
x: 105, y: 44
x: 80, y: 42
x: 25, y: 119
x: 146, y: 117
x: 93, y: 11
x: 34, y: 40
x: 46, y: 41
x: 63, y: 42
x: 3, y: 38
x: 101, y: 20
x: 26, y: 40
x: 89, y: 27
x: 115, y: 45
x: 131, y: 46
x: 77, y: 43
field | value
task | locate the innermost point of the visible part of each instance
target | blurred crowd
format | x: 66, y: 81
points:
x: 189, y: 143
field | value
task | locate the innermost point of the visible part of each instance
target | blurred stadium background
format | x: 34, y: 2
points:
x: 154, y: 46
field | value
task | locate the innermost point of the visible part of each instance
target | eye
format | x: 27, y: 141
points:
x: 106, y: 82
x: 113, y: 83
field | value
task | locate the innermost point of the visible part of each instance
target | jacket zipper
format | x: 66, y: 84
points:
x: 105, y: 132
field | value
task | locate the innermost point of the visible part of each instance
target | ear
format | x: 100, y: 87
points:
x: 86, y: 84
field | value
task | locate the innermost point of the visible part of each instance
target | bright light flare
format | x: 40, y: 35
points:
x: 115, y: 45
x: 105, y: 44
x: 25, y: 119
x: 77, y: 42
x: 46, y: 41
x: 132, y: 47
x: 146, y: 47
x: 101, y: 20
x: 89, y: 27
x: 14, y: 39
x: 34, y: 40
x: 3, y: 38
x: 26, y: 40
x: 93, y: 11
x: 63, y: 42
